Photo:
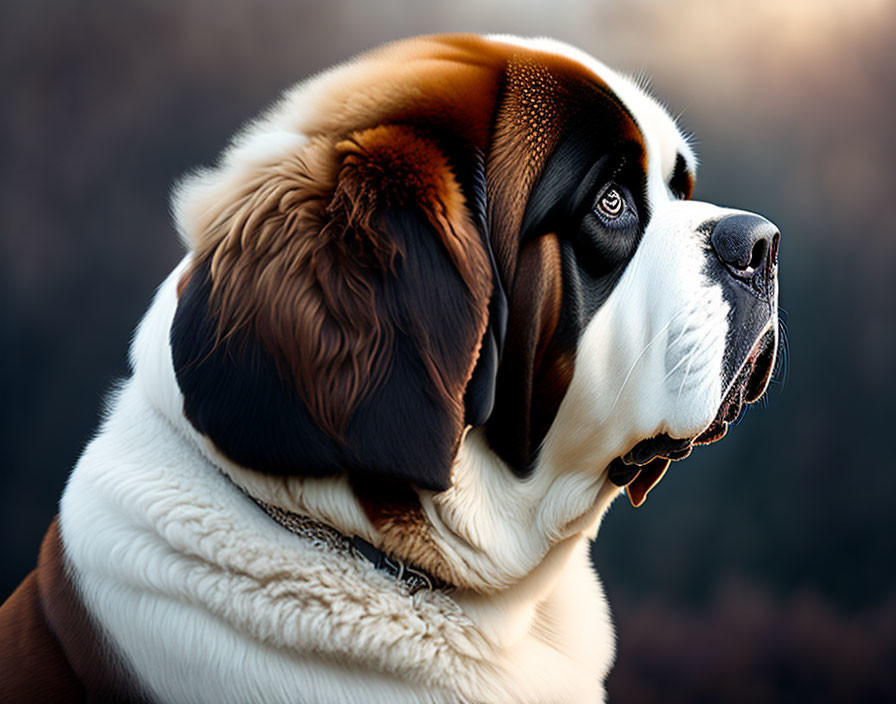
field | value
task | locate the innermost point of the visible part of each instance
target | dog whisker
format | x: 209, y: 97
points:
x: 697, y: 351
x: 641, y: 355
x: 782, y: 362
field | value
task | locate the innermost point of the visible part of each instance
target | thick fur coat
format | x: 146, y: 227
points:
x: 451, y: 298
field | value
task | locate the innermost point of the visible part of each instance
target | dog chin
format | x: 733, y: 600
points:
x: 640, y: 469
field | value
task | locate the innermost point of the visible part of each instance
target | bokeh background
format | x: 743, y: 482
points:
x: 763, y: 568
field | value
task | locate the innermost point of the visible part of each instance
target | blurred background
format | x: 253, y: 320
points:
x: 763, y: 568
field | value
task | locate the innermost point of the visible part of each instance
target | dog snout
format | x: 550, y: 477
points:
x: 747, y: 245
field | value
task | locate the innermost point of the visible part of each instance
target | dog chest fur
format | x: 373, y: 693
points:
x: 260, y: 616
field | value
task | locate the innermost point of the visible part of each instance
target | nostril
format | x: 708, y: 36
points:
x: 757, y: 257
x: 774, y: 254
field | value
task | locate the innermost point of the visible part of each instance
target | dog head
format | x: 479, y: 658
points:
x: 455, y: 233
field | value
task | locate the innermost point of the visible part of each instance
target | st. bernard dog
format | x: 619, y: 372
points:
x: 442, y: 304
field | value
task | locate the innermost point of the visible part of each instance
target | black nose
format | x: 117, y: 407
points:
x: 747, y: 245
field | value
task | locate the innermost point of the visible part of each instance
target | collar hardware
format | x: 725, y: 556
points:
x: 325, y: 537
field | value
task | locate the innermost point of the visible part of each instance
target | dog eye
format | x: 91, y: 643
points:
x: 611, y: 203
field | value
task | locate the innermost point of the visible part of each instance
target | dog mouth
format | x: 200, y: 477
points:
x: 641, y: 468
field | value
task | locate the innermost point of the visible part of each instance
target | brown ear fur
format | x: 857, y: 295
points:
x: 358, y: 268
x: 536, y: 368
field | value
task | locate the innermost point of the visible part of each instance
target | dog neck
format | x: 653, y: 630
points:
x: 193, y: 553
x: 328, y: 538
x: 487, y: 532
x: 150, y: 481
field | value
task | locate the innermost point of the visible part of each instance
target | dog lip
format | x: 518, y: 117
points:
x: 660, y: 445
x: 762, y: 361
x: 625, y: 469
x: 748, y: 387
x: 621, y: 473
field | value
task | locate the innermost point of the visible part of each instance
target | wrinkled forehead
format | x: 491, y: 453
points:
x: 670, y: 158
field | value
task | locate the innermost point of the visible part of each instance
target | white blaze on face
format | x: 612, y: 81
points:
x: 651, y: 359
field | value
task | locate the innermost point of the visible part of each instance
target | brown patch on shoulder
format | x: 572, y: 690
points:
x: 33, y: 666
x: 50, y: 648
x: 99, y: 667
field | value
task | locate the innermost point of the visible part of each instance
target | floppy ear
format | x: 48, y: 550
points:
x: 334, y: 316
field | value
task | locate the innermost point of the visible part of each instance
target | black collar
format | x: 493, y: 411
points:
x: 326, y: 537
